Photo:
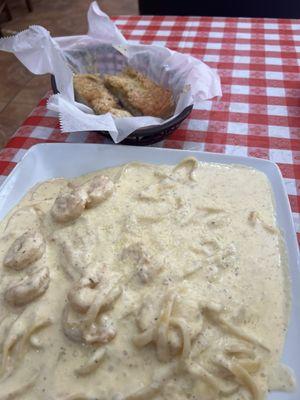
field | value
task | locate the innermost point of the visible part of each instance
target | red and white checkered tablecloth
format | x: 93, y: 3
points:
x: 259, y: 114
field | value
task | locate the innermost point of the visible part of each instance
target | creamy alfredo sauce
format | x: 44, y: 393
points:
x: 160, y: 282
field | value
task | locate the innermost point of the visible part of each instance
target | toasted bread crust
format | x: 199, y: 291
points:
x: 90, y: 89
x: 139, y: 94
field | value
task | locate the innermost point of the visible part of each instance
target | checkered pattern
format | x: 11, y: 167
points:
x: 259, y: 114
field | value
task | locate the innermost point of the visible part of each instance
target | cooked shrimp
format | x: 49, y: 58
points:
x: 25, y: 250
x: 71, y: 325
x: 76, y: 329
x: 99, y: 189
x: 28, y: 288
x: 67, y: 207
x: 94, y: 191
x: 82, y: 293
x: 91, y: 328
x: 147, y: 267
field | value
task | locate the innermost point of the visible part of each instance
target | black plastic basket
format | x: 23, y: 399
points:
x: 148, y: 135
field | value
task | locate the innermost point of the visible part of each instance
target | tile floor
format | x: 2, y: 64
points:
x: 20, y: 90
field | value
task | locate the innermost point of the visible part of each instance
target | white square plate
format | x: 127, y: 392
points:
x: 46, y: 161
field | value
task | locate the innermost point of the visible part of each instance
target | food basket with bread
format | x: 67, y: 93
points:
x: 132, y: 93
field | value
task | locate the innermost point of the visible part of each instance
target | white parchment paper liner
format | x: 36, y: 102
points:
x: 104, y: 49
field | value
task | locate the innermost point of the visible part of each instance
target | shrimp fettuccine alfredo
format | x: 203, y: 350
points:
x: 144, y: 282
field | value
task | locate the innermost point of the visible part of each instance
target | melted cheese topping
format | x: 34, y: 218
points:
x: 144, y: 282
